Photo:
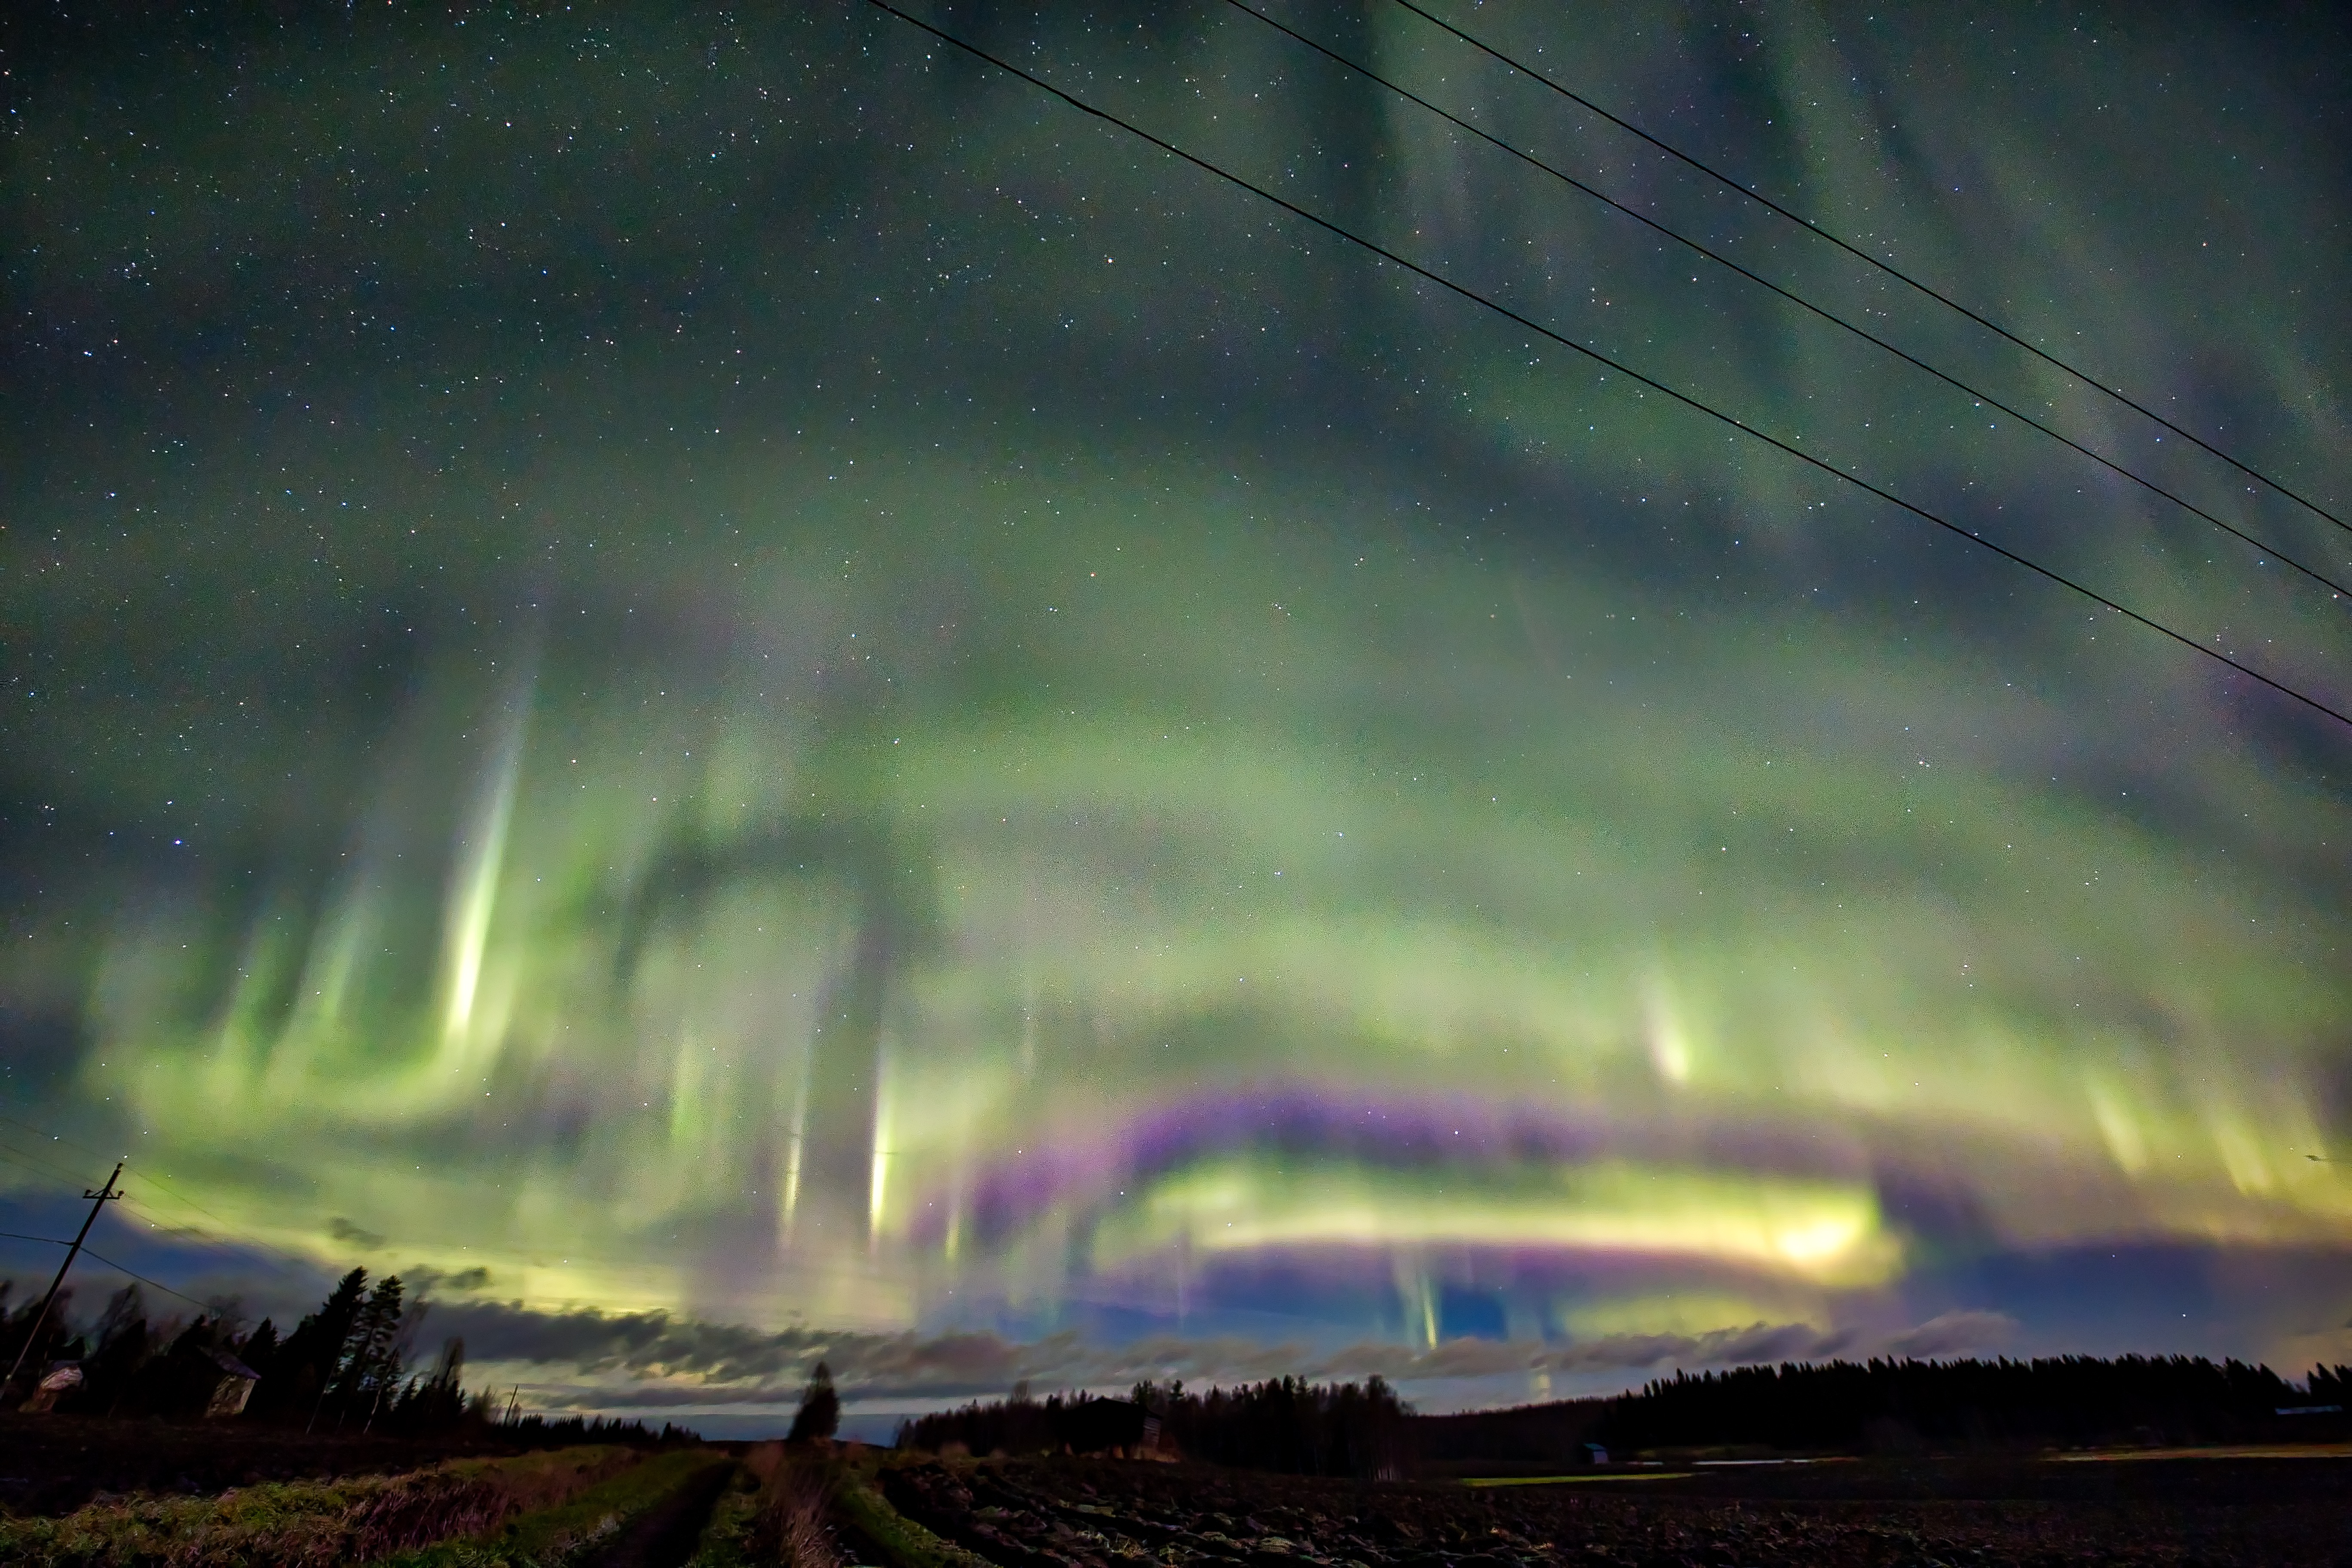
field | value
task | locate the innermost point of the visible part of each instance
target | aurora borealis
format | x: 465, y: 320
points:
x: 732, y: 688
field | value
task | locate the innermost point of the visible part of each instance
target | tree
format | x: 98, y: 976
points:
x: 180, y: 1383
x: 820, y: 1412
x: 431, y: 1403
x: 48, y: 1335
x: 307, y: 1360
x: 124, y: 1345
x: 258, y: 1349
x: 372, y: 1353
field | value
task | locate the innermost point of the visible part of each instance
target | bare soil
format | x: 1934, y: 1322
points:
x: 2279, y: 1513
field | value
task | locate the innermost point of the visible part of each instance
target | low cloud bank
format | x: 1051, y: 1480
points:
x: 1952, y: 1334
x: 654, y: 1361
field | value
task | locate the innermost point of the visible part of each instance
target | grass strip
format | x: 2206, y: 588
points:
x: 752, y: 1525
x: 727, y: 1541
x: 906, y: 1543
x: 307, y: 1524
x: 552, y: 1537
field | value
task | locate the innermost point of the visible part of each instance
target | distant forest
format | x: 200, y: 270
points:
x: 343, y: 1368
x: 2063, y: 1400
x: 1348, y: 1430
x: 1283, y: 1425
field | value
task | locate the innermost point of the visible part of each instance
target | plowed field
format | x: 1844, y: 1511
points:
x: 1092, y: 1514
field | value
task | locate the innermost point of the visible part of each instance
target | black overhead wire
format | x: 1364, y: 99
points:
x: 20, y: 1236
x: 2339, y: 589
x: 177, y: 1228
x: 178, y: 1232
x: 97, y: 1257
x: 1945, y: 300
x: 184, y: 1231
x: 17, y: 1157
x: 1599, y: 358
x: 94, y: 1257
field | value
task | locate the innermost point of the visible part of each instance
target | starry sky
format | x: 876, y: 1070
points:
x: 732, y: 688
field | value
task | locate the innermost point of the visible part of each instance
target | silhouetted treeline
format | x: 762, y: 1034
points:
x: 1300, y: 1428
x: 126, y: 1364
x: 1882, y: 1404
x: 543, y: 1432
x: 1554, y: 1433
x: 1847, y: 1407
x: 1284, y: 1424
x: 343, y: 1367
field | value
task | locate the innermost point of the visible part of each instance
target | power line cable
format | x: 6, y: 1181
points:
x: 97, y: 1258
x: 23, y: 1161
x: 150, y: 1179
x: 50, y: 1172
x: 1771, y: 205
x: 177, y: 1234
x: 217, y: 1239
x: 2339, y: 589
x: 308, y: 1268
x: 71, y: 1143
x: 93, y: 1254
x: 155, y: 1180
x: 537, y: 1256
x: 1599, y: 358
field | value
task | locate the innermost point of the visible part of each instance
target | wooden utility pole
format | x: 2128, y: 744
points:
x: 100, y: 1198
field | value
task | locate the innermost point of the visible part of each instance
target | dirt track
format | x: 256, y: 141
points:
x: 664, y: 1536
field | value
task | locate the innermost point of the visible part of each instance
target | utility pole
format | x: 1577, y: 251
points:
x: 100, y: 1199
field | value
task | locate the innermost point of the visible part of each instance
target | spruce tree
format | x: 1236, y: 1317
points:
x: 371, y: 1353
x: 820, y: 1412
x: 309, y: 1357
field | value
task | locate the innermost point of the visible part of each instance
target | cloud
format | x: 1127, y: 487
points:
x: 653, y: 1360
x: 423, y: 1280
x: 344, y: 1231
x: 1629, y: 1352
x: 1954, y: 1333
x: 704, y: 1360
x: 745, y: 1362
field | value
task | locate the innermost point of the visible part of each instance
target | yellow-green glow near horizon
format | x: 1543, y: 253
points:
x: 1814, y: 1230
x: 859, y: 708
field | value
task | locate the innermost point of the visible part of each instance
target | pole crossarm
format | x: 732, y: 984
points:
x: 99, y: 1200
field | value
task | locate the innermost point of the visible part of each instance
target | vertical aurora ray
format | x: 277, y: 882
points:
x: 795, y: 1145
x: 885, y: 1147
x: 473, y: 893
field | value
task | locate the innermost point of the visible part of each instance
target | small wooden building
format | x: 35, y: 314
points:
x: 235, y: 1388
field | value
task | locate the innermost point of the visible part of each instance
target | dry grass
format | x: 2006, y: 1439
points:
x: 726, y: 1541
x: 310, y: 1524
x: 790, y: 1528
x: 563, y: 1531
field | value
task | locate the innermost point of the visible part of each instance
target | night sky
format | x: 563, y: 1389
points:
x: 731, y: 688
